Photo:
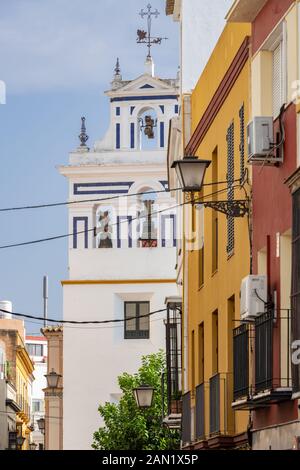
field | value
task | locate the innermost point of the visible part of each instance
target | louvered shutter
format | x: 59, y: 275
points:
x: 242, y: 142
x: 230, y: 182
x: 277, y: 80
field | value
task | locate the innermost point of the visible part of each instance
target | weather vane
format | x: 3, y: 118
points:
x: 144, y: 37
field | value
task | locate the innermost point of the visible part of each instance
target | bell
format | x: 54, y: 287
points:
x: 149, y: 132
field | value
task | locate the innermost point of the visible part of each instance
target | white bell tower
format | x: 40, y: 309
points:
x: 122, y: 254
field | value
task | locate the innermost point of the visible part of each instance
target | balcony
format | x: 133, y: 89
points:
x: 25, y: 410
x: 262, y: 377
x: 173, y: 360
x: 241, y: 384
x: 148, y: 243
x: 214, y: 417
x: 200, y: 413
x: 214, y: 405
x: 186, y: 436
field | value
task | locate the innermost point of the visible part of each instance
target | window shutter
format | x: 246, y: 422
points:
x: 277, y: 80
x: 242, y: 142
x: 230, y: 182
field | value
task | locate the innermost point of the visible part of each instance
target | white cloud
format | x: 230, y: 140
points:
x: 73, y: 44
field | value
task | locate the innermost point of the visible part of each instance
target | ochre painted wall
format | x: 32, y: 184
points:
x: 221, y: 285
x: 226, y: 49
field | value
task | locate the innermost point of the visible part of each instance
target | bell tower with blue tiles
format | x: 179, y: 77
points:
x: 122, y: 252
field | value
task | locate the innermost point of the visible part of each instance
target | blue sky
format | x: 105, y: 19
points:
x: 57, y: 58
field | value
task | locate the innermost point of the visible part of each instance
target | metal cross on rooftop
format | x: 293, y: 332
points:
x: 144, y: 37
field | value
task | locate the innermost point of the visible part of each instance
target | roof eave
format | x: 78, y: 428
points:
x: 243, y: 11
x: 170, y: 4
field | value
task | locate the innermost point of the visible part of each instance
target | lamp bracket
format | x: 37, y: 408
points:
x: 236, y: 208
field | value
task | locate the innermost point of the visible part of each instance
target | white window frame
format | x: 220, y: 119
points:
x: 277, y: 37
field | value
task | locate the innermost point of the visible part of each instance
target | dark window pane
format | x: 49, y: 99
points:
x: 137, y: 323
x: 144, y: 320
x: 130, y: 312
x: 35, y: 349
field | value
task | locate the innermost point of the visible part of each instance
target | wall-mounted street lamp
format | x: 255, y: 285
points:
x: 191, y: 172
x: 52, y: 379
x: 41, y: 425
x: 144, y: 395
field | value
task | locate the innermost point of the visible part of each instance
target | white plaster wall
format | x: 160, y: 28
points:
x: 93, y: 358
x: 39, y: 383
x: 201, y: 25
x: 131, y: 263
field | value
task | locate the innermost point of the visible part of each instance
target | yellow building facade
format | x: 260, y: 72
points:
x: 217, y: 247
x: 20, y: 376
x: 24, y: 379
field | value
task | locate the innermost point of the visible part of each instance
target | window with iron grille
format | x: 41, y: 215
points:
x: 12, y: 440
x: 173, y: 355
x: 295, y: 324
x: 242, y: 142
x: 241, y: 361
x: 230, y: 182
x: 137, y: 322
x: 264, y: 352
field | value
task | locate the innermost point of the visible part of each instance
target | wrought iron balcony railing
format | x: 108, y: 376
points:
x: 262, y: 361
x: 186, y: 419
x: 200, y: 412
x: 241, y: 338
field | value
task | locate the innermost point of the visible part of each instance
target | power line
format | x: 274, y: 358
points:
x: 82, y: 201
x: 33, y: 414
x: 110, y: 198
x: 72, y: 234
x: 74, y: 322
x: 83, y: 328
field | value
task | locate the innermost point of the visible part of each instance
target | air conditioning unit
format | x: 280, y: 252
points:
x: 254, y: 293
x: 260, y: 136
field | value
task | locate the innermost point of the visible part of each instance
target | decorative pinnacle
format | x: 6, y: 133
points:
x: 117, y: 68
x: 83, y: 137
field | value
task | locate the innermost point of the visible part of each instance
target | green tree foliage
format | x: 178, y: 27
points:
x: 129, y: 428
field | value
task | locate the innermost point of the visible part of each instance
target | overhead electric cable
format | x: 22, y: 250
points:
x: 75, y: 322
x: 110, y: 198
x: 93, y: 229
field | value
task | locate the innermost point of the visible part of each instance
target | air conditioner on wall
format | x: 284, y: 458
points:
x: 254, y: 293
x: 260, y: 134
